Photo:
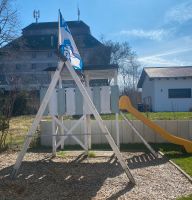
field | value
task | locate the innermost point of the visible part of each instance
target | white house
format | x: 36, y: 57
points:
x: 167, y: 88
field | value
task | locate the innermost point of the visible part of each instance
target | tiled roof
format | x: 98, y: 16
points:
x: 164, y: 72
x: 80, y: 32
x: 168, y: 72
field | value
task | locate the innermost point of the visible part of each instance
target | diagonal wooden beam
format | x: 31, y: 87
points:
x: 98, y: 118
x: 37, y: 119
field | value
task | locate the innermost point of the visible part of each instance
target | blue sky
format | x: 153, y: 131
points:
x: 160, y: 31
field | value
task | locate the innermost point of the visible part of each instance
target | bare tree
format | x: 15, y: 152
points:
x: 7, y: 100
x: 129, y: 67
x: 9, y: 23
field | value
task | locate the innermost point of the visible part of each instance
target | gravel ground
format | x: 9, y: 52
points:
x: 77, y: 177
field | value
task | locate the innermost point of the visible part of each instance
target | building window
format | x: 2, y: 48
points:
x: 179, y: 93
x: 50, y: 65
x: 49, y: 54
x: 33, y: 66
x: 18, y: 66
x: 1, y: 67
x: 34, y: 55
x: 52, y: 41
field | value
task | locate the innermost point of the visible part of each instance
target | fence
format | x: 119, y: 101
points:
x: 181, y: 128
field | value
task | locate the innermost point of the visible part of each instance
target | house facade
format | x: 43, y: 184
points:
x: 24, y: 61
x: 167, y: 88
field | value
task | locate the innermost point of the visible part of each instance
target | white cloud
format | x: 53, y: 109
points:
x: 180, y: 13
x: 161, y: 60
x: 157, y: 34
x: 171, y: 52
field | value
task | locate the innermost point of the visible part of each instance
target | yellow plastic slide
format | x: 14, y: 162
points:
x: 125, y: 104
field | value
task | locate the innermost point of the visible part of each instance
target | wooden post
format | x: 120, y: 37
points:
x: 60, y: 82
x: 117, y: 115
x: 85, y: 135
x: 62, y: 133
x: 87, y: 120
x: 53, y: 136
x: 117, y: 129
x: 61, y: 118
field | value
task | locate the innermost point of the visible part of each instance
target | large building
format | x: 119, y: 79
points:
x: 167, y: 88
x: 24, y: 61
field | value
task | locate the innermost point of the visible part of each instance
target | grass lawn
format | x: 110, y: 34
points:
x: 181, y: 158
x: 186, y: 198
x: 18, y: 129
x: 156, y: 116
x: 177, y: 155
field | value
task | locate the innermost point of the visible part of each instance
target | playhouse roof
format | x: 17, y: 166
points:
x: 165, y: 72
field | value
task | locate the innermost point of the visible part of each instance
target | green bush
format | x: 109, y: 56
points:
x: 20, y: 104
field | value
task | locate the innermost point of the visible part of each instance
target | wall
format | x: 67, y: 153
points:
x: 163, y: 103
x: 157, y: 89
x: 29, y: 69
x: 148, y: 90
x: 181, y: 128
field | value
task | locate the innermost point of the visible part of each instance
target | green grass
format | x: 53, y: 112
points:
x: 183, y: 160
x: 150, y: 115
x: 19, y: 127
x: 186, y: 198
x: 91, y: 154
x: 156, y: 116
x: 61, y: 154
x: 178, y: 155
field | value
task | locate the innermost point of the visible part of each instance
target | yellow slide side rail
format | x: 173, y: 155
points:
x: 125, y: 104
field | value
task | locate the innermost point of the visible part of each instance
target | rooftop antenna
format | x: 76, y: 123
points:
x: 78, y: 12
x: 36, y: 15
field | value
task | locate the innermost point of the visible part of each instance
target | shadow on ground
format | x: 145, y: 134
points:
x: 145, y: 160
x: 76, y: 179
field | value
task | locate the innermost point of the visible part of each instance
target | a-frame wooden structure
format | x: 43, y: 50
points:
x: 64, y: 63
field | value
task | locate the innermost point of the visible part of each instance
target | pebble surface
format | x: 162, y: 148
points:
x: 75, y: 176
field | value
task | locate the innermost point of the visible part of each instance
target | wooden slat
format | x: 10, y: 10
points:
x: 97, y: 98
x: 78, y: 102
x: 70, y: 101
x: 115, y: 99
x: 86, y: 107
x: 53, y: 103
x: 105, y: 99
x: 61, y: 101
x: 42, y: 94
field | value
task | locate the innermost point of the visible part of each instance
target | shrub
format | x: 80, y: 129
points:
x: 6, y: 101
